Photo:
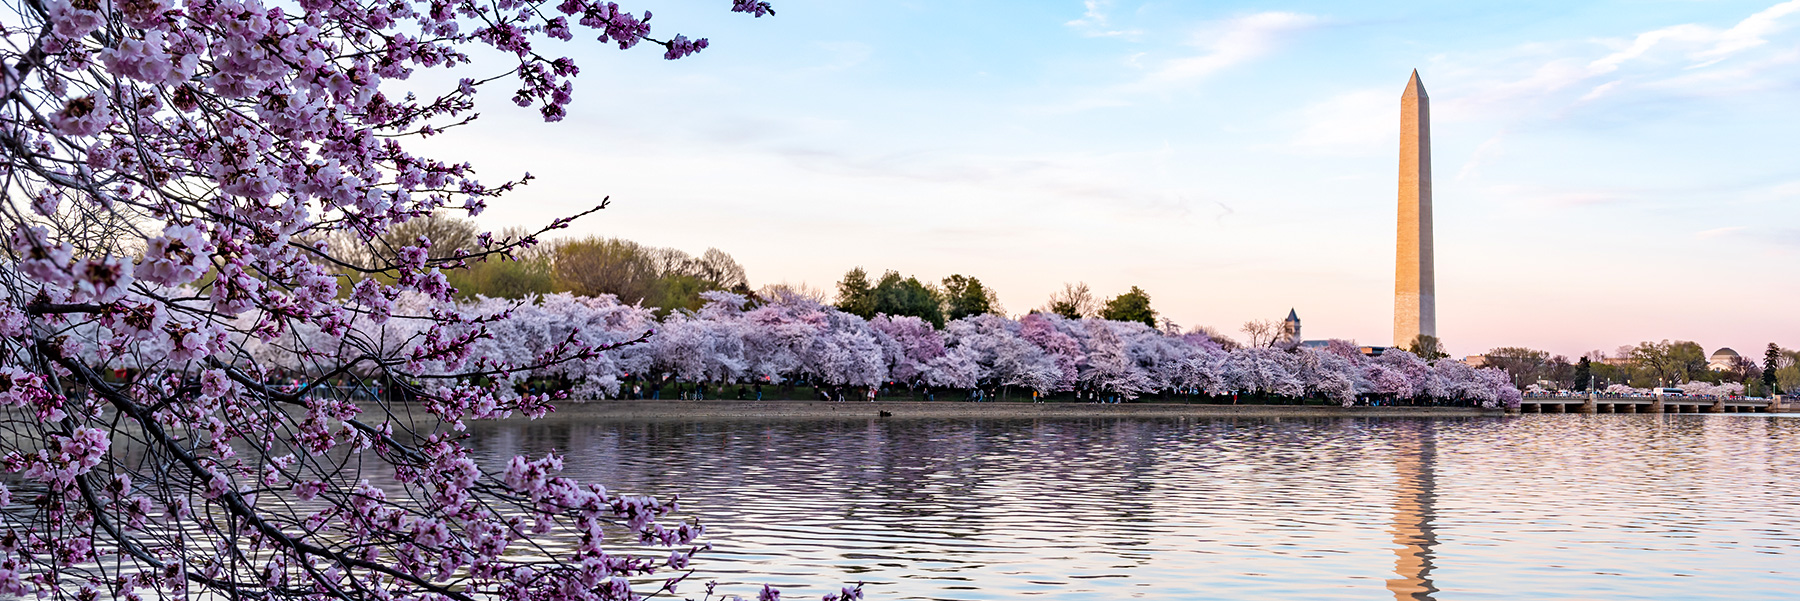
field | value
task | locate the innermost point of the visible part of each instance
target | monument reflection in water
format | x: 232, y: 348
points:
x: 1552, y: 506
x: 1414, y: 489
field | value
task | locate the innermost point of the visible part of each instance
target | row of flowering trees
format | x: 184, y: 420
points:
x: 731, y: 340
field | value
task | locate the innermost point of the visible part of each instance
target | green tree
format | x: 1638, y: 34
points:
x: 1584, y: 371
x: 678, y: 291
x: 1427, y: 347
x: 1787, y: 378
x: 1771, y: 364
x: 1671, y: 363
x: 854, y: 294
x: 1526, y: 366
x: 503, y: 278
x: 908, y: 296
x: 1689, y: 359
x: 1130, y: 306
x: 965, y: 296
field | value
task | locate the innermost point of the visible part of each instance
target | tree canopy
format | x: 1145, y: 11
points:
x: 965, y: 296
x: 1133, y: 305
x: 908, y: 297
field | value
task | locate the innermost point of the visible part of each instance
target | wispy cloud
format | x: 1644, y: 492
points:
x: 1751, y: 32
x: 1484, y: 153
x: 1210, y: 49
x: 1227, y: 44
x: 1684, y: 59
x: 1095, y: 21
x: 1719, y: 231
x: 1706, y: 45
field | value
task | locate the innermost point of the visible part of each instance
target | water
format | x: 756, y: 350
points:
x: 1537, y: 507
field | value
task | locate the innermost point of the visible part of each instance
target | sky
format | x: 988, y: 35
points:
x: 1605, y: 173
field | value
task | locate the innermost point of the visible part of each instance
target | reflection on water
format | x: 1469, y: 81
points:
x: 1414, y: 495
x: 1553, y: 506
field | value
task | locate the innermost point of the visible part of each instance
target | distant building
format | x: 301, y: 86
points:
x: 1621, y: 361
x: 1475, y: 360
x: 1723, y: 359
x: 1373, y: 351
x: 1290, y: 327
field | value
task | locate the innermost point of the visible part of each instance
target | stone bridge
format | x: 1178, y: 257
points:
x: 1671, y: 404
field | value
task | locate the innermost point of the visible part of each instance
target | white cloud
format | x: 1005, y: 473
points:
x: 1650, y: 40
x: 1095, y: 15
x: 1750, y: 32
x: 1682, y: 59
x: 1706, y: 44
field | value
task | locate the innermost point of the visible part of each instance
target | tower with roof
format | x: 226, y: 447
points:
x: 1290, y: 327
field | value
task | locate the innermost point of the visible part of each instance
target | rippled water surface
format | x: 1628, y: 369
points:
x: 1536, y: 507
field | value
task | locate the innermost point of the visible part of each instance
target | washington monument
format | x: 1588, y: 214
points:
x: 1415, y: 303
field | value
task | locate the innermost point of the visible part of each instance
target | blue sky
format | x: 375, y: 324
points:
x: 1606, y: 172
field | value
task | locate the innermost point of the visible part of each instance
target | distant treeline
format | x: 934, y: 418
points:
x: 962, y: 296
x: 662, y: 278
x: 668, y: 279
x: 1649, y: 365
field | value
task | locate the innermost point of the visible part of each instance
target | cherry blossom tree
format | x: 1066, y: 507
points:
x: 1326, y: 375
x: 173, y: 170
x: 1110, y: 368
x: 778, y: 334
x: 1625, y: 390
x: 846, y: 353
x: 1710, y: 390
x: 707, y: 346
x: 1263, y: 369
x: 1005, y: 358
x: 1041, y: 329
x: 1413, y: 372
x: 909, y: 344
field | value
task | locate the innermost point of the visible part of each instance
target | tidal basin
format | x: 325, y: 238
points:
x: 1531, y: 507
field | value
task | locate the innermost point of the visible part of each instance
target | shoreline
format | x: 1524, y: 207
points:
x: 633, y: 410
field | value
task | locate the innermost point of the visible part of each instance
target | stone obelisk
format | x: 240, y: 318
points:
x: 1415, y: 304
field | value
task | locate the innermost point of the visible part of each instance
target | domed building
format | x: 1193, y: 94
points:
x: 1723, y: 359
